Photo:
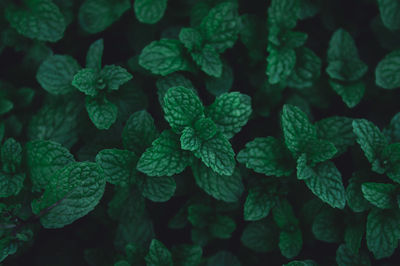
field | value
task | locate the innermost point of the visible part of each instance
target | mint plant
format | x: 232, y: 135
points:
x: 199, y: 133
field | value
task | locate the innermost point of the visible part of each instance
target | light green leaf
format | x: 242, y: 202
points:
x: 283, y: 13
x: 56, y: 73
x: 43, y: 159
x: 380, y: 195
x: 73, y: 192
x: 230, y: 112
x: 164, y: 57
x: 191, y: 39
x: 37, y: 19
x: 189, y: 140
x: 280, y: 64
x: 102, y: 112
x: 164, y: 157
x: 149, y: 11
x: 88, y: 81
x: 115, y: 76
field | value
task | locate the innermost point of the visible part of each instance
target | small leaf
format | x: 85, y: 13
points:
x: 158, y: 255
x: 102, y: 112
x: 209, y: 61
x: 189, y: 140
x: 258, y: 204
x: 191, y: 39
x: 94, y: 55
x: 261, y: 236
x: 387, y: 70
x: 280, y: 64
x: 390, y: 13
x: 149, y: 11
x: 158, y: 189
x: 380, y: 195
x: 351, y: 93
x: 86, y: 81
x: 115, y: 76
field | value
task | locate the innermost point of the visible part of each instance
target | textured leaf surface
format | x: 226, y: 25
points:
x: 102, y: 112
x: 230, y: 112
x: 387, y: 71
x: 10, y: 184
x: 94, y: 55
x: 221, y: 187
x: 189, y: 140
x: 164, y: 157
x: 390, y: 13
x: 158, y: 189
x: 56, y: 73
x: 86, y: 81
x: 115, y: 76
x: 191, y: 39
x: 164, y: 57
x: 37, y: 19
x: 307, y: 69
x: 337, y: 130
x: 258, y: 204
x: 158, y: 255
x: 72, y: 193
x: 209, y: 61
x: 345, y: 257
x: 260, y: 236
x: 44, y: 158
x: 380, y: 195
x: 351, y: 93
x: 281, y: 63
x: 327, y: 185
x: 149, y: 11
x: 283, y: 13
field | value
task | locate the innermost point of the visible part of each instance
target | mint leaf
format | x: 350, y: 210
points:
x: 158, y: 189
x: 345, y: 257
x: 164, y: 57
x: 383, y: 232
x: 318, y: 150
x: 209, y: 61
x: 371, y: 140
x: 187, y: 255
x: 390, y: 13
x: 283, y: 13
x: 37, y: 19
x: 218, y: 154
x: 10, y: 184
x: 307, y: 69
x: 102, y: 112
x: 56, y: 73
x: 205, y: 128
x: 119, y: 166
x: 326, y: 226
x: 94, y: 55
x: 297, y: 129
x: 281, y: 63
x: 223, y: 84
x: 391, y: 161
x: 191, y: 39
x: 115, y: 76
x: 221, y: 187
x: 387, y: 70
x: 172, y: 80
x: 71, y: 193
x: 230, y: 112
x: 220, y: 27
x: 222, y: 227
x: 164, y: 157
x: 11, y: 156
x: 158, y: 255
x: 261, y: 236
x: 266, y: 156
x: 149, y: 11
x: 353, y: 236
x: 258, y: 204
x: 354, y: 195
x: 351, y: 93
x: 304, y: 171
x: 86, y: 81
x: 96, y: 15
x: 327, y: 185
x: 290, y: 243
x: 189, y: 140
x: 139, y: 132
x: 380, y: 195
x: 182, y: 107
x: 43, y: 159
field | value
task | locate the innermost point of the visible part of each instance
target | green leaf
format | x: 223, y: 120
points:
x: 380, y: 195
x: 327, y: 227
x: 191, y: 39
x: 172, y: 80
x: 222, y: 227
x: 96, y: 15
x: 390, y: 13
x: 218, y: 154
x: 304, y: 171
x: 371, y: 140
x: 353, y: 236
x: 280, y: 64
x: 119, y: 166
x: 73, y: 192
x: 220, y: 27
x: 297, y: 129
x: 209, y: 61
x: 87, y: 81
x: 158, y: 255
x: 337, y: 130
x: 266, y: 156
x: 391, y: 161
x: 187, y: 255
x: 205, y: 128
x: 115, y: 76
x: 223, y: 84
x: 182, y: 107
x: 383, y: 232
x: 318, y: 150
x: 354, y: 196
x: 200, y: 215
x: 301, y: 263
x: 258, y: 204
x: 43, y: 159
x: 122, y: 263
x: 94, y: 55
x: 261, y: 236
x: 290, y: 243
x: 158, y: 189
x: 351, y: 93
x: 149, y: 11
x: 10, y: 184
x: 164, y: 57
x: 164, y: 157
x: 283, y: 13
x: 223, y: 258
x: 37, y: 19
x: 127, y: 205
x: 230, y: 112
x: 345, y: 257
x: 139, y: 132
x: 189, y: 140
x: 56, y: 73
x: 387, y: 70
x: 221, y: 187
x: 5, y: 106
x: 11, y: 156
x: 102, y: 112
x: 307, y: 69
x: 327, y: 185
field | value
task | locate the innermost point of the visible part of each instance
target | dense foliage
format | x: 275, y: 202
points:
x: 199, y: 132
